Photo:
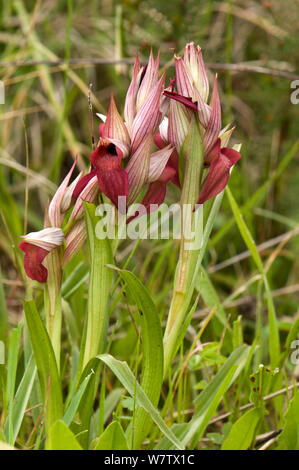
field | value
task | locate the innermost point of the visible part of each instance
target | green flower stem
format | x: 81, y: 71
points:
x: 183, y: 290
x: 99, y: 286
x: 192, y: 155
x: 53, y: 302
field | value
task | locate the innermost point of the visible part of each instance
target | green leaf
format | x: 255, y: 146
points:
x: 74, y: 281
x: 186, y: 323
x: 274, y: 343
x: 111, y: 401
x: 210, y: 296
x: 238, y: 357
x: 99, y: 285
x: 177, y: 429
x: 108, y: 407
x: 202, y: 417
x: 152, y: 350
x: 209, y: 356
x: 126, y: 377
x: 20, y: 402
x: 62, y: 438
x: 259, y: 384
x: 86, y: 403
x: 45, y: 362
x: 12, y: 363
x: 3, y: 312
x: 243, y: 431
x: 113, y: 438
x: 75, y: 402
x: 246, y: 235
x: 289, y: 438
x: 210, y: 398
x: 207, y: 402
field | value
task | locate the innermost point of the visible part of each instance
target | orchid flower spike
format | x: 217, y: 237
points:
x: 36, y: 246
x: 125, y: 161
x: 192, y: 97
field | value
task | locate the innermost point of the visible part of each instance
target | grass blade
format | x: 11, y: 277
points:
x: 46, y: 364
x: 12, y: 363
x: 3, y: 312
x: 127, y: 378
x: 152, y: 350
x: 274, y: 344
x: 20, y: 402
x: 73, y: 406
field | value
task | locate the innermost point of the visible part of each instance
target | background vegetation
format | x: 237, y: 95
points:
x: 45, y: 122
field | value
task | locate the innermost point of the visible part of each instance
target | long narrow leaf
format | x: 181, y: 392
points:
x: 11, y: 375
x: 274, y: 344
x: 45, y: 362
x: 152, y: 350
x: 99, y: 286
x: 73, y: 406
x: 126, y: 377
x: 20, y: 402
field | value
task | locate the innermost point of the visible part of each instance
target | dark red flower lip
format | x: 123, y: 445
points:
x: 187, y: 101
x: 82, y: 183
x: 34, y: 256
x: 219, y: 172
x: 106, y: 165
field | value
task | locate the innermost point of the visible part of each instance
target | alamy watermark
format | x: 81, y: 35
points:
x: 2, y: 353
x: 157, y: 221
x: 295, y: 94
x: 2, y: 93
x: 294, y: 357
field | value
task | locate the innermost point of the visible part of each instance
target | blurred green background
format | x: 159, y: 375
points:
x: 45, y: 120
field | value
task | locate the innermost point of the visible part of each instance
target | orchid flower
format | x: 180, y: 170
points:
x: 36, y: 246
x: 191, y: 97
x: 124, y: 161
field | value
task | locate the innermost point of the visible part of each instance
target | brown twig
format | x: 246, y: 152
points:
x: 261, y: 247
x: 99, y: 61
x: 268, y: 443
x: 250, y: 405
x: 264, y: 438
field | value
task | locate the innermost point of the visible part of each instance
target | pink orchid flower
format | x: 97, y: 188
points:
x: 36, y: 246
x: 124, y: 161
x: 191, y: 96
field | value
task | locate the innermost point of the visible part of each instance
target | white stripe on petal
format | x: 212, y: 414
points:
x: 163, y: 129
x: 54, y: 212
x: 67, y: 197
x: 138, y: 168
x: 158, y: 161
x: 102, y: 116
x: 48, y: 238
x: 88, y: 194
